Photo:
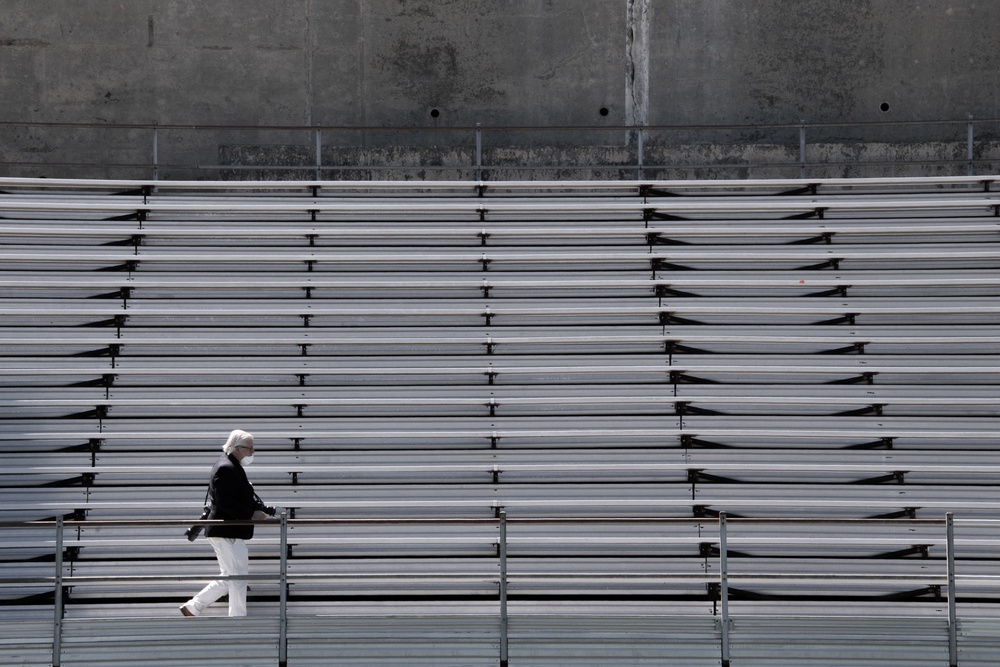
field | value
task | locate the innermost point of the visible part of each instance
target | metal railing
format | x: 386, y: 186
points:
x: 178, y: 151
x: 945, y: 580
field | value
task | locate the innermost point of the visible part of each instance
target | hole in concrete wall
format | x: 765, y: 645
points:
x: 435, y: 113
x: 603, y: 111
x: 883, y: 107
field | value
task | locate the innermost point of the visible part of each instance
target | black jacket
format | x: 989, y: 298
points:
x: 233, y: 498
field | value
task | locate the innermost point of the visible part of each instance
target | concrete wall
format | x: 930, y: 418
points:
x: 720, y: 61
x: 449, y: 63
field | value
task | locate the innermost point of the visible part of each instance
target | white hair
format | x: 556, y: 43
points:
x: 236, y: 438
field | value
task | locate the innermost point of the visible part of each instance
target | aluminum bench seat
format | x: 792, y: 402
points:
x: 843, y: 579
x: 960, y: 185
x: 445, y: 635
x: 895, y: 339
x: 892, y: 399
x: 531, y: 461
x: 14, y: 498
x: 552, y: 639
x: 656, y: 464
x: 292, y: 468
x: 963, y: 313
x: 367, y: 578
x: 387, y: 234
x: 519, y: 370
x: 475, y: 500
x: 233, y: 341
x: 88, y: 639
x: 880, y: 433
x: 542, y: 546
x: 342, y: 285
x: 14, y: 464
x: 535, y: 466
x: 29, y: 633
x: 156, y: 204
x: 580, y: 633
x: 26, y: 548
x: 589, y: 572
x: 875, y: 640
x: 946, y: 466
x: 376, y: 577
x: 544, y: 576
x: 851, y: 610
x: 414, y: 635
x: 668, y: 577
x: 793, y: 283
x: 832, y: 539
x: 515, y: 400
x: 864, y: 579
x: 237, y: 404
x: 22, y: 583
x: 514, y: 432
x: 433, y: 466
x: 172, y: 579
x: 44, y: 340
x: 374, y: 234
x: 301, y: 371
x: 451, y: 464
x: 497, y: 309
x: 510, y: 400
x: 787, y: 257
x: 800, y: 500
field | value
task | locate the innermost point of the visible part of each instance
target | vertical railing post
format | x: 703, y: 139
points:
x: 283, y: 594
x: 802, y: 150
x: 58, y: 602
x: 156, y: 153
x: 952, y: 603
x: 970, y: 145
x: 319, y: 154
x: 503, y: 588
x: 724, y: 586
x: 479, y: 152
x: 640, y: 154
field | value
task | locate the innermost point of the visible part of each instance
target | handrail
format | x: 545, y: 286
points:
x: 472, y: 140
x: 375, y: 521
x: 946, y: 580
x: 484, y: 188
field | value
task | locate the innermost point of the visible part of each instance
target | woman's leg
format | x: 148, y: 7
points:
x: 240, y: 564
x: 233, y: 558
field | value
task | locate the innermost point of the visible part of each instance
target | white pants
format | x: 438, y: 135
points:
x: 234, y: 559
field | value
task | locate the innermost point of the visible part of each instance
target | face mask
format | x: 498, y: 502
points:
x: 246, y: 460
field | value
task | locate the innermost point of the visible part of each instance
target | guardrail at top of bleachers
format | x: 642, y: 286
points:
x: 478, y: 187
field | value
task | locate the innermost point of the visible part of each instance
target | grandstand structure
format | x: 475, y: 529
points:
x: 697, y: 423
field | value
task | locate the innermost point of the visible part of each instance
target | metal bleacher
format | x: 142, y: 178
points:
x: 524, y: 423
